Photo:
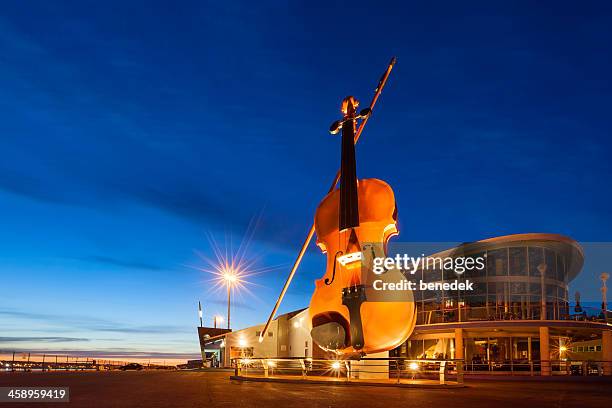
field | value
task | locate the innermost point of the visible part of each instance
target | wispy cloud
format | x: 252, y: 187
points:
x: 41, y: 339
x: 235, y: 304
x: 123, y: 353
x: 122, y: 263
x: 93, y: 323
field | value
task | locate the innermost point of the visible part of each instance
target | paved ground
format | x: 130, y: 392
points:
x: 214, y: 389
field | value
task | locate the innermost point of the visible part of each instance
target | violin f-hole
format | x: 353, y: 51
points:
x: 327, y: 281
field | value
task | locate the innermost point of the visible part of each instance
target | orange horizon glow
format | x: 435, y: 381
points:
x: 23, y: 357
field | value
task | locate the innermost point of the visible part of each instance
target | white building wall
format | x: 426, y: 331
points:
x: 247, y: 340
x: 297, y: 343
x: 300, y: 342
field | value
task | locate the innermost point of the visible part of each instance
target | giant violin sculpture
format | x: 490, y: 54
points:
x: 353, y: 224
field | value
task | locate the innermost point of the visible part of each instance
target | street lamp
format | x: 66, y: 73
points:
x: 604, y: 290
x: 230, y: 278
x: 542, y: 269
x: 218, y: 319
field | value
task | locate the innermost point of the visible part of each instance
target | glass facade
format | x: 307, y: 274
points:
x: 524, y: 280
x: 518, y: 282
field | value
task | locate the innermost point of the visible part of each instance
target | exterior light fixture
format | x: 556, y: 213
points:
x: 230, y: 277
x: 336, y: 365
x: 414, y: 366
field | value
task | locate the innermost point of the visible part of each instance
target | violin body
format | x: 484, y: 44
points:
x: 353, y: 224
x: 386, y: 322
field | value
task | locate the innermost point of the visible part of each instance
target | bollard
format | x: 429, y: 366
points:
x: 460, y: 372
x: 398, y: 369
x: 303, y: 368
x: 442, y: 372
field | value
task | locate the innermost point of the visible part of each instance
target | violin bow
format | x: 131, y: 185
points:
x: 298, y: 260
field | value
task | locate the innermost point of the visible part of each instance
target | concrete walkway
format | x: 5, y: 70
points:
x: 320, y: 380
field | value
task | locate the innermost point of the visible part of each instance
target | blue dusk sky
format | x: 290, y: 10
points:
x: 131, y: 135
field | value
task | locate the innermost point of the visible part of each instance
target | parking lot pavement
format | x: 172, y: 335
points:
x: 214, y: 389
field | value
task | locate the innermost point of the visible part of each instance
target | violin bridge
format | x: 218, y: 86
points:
x: 348, y: 260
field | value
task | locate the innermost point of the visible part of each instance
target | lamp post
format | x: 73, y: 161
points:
x: 218, y: 319
x: 542, y: 269
x: 200, y: 312
x: 229, y: 296
x: 604, y: 290
x: 230, y: 278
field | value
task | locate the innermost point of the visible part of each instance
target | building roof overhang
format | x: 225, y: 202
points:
x: 570, y: 248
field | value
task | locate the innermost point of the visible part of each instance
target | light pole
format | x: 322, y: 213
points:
x: 218, y: 319
x: 604, y: 290
x: 229, y: 296
x: 230, y: 278
x: 542, y: 269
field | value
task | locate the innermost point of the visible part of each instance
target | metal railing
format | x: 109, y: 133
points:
x: 535, y: 367
x: 24, y: 361
x: 436, y: 315
x: 395, y: 370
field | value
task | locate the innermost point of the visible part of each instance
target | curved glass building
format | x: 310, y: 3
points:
x: 516, y: 318
x: 525, y: 278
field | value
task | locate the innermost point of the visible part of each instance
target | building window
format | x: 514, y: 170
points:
x: 551, y: 264
x: 497, y: 262
x: 518, y: 261
x: 536, y: 258
x: 561, y: 269
x: 597, y: 348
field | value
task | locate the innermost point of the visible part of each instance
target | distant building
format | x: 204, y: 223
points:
x: 287, y: 336
x: 517, y: 318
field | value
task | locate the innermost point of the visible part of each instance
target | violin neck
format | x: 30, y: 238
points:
x: 349, y: 203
